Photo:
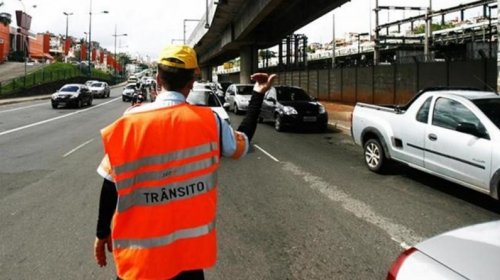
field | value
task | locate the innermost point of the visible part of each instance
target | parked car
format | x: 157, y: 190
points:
x: 100, y: 89
x: 128, y: 91
x: 72, y: 95
x: 213, y: 87
x: 206, y: 97
x: 292, y: 107
x: 471, y: 252
x: 238, y: 96
x: 450, y: 133
x: 90, y: 82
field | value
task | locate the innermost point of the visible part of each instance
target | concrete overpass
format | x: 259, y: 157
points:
x: 239, y: 28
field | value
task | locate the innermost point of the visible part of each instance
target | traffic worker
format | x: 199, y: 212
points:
x: 160, y: 176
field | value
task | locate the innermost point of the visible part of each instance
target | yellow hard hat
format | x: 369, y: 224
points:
x: 178, y: 56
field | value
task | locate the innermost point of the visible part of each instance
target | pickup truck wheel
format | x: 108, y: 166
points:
x: 374, y: 156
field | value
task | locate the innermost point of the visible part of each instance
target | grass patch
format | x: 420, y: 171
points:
x: 54, y: 72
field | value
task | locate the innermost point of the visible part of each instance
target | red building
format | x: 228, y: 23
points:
x: 4, y: 42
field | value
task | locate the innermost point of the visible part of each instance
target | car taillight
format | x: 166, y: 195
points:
x: 396, y: 265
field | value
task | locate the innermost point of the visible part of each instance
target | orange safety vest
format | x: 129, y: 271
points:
x: 164, y: 165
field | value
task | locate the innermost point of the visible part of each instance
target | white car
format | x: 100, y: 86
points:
x: 100, y: 89
x: 238, y: 96
x: 471, y: 253
x: 450, y: 133
x: 128, y: 92
x: 206, y: 97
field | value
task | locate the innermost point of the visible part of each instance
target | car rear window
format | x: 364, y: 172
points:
x: 292, y: 94
x: 490, y: 108
x: 245, y: 90
x: 70, y: 89
x: 202, y: 98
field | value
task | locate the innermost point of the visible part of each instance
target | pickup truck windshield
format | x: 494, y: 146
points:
x: 490, y: 109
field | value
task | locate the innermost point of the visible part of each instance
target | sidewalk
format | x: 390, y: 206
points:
x: 339, y: 115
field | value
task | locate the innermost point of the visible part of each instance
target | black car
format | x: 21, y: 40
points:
x: 75, y: 95
x: 289, y: 106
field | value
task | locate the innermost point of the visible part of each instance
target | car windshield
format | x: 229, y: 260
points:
x: 70, y: 88
x: 245, y: 90
x: 292, y: 94
x: 97, y: 85
x: 130, y: 86
x: 202, y: 98
x: 490, y: 109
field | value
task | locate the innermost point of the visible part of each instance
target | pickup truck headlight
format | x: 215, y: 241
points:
x: 289, y: 110
x: 322, y: 109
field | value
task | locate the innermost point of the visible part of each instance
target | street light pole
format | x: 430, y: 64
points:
x: 90, y: 37
x: 66, y: 38
x: 116, y: 35
x: 206, y: 22
x: 185, y: 20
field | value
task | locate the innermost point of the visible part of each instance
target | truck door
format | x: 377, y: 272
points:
x: 412, y: 134
x: 458, y: 155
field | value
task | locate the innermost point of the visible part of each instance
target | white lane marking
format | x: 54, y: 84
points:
x: 56, y: 118
x: 77, y: 148
x: 268, y: 154
x: 26, y: 107
x: 399, y: 233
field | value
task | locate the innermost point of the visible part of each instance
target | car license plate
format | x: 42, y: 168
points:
x: 309, y: 119
x: 62, y: 103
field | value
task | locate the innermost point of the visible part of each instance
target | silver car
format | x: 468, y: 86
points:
x: 471, y: 252
x: 238, y: 96
x: 100, y: 89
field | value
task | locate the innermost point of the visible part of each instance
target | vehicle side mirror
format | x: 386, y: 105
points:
x: 226, y: 105
x: 469, y: 128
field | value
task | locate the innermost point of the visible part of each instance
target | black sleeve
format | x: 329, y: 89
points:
x: 107, y: 206
x: 249, y: 123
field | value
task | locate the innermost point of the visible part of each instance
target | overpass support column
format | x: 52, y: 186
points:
x: 248, y: 63
x: 206, y: 73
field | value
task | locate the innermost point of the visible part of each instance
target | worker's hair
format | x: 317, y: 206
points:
x: 174, y: 78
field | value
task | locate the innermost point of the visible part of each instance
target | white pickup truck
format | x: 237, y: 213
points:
x: 450, y: 133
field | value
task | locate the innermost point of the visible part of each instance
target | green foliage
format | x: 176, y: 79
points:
x: 5, y: 18
x: 435, y: 27
x: 267, y: 54
x: 54, y: 72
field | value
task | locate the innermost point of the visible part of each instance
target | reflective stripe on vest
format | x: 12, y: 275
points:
x: 165, y: 167
x: 163, y: 240
x: 165, y: 172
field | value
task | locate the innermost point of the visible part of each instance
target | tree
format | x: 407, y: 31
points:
x: 5, y: 18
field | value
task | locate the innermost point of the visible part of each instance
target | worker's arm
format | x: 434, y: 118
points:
x: 107, y: 206
x: 235, y: 143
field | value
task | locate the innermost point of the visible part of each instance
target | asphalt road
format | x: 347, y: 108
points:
x: 301, y: 205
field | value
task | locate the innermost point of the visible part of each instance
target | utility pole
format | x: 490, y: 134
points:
x: 376, y: 52
x: 428, y: 30
x: 334, y: 42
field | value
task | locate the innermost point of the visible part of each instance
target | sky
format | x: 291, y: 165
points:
x: 152, y: 24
